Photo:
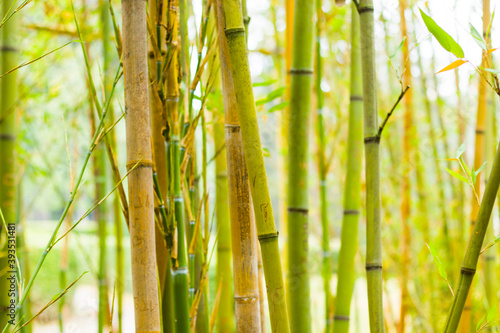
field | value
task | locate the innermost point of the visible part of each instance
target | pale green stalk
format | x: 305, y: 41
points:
x: 352, y: 189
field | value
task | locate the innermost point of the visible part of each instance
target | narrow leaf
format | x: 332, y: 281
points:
x: 446, y: 41
x: 400, y: 46
x: 491, y: 70
x: 491, y: 314
x: 493, y: 50
x: 456, y: 175
x: 453, y: 65
x: 477, y: 37
x: 478, y: 326
x: 460, y: 151
x: 278, y: 107
x: 481, y: 168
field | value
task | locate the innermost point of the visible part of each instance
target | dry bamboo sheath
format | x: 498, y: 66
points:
x: 140, y: 181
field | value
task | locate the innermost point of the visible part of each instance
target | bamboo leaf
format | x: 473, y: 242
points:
x: 477, y: 37
x: 491, y: 314
x: 491, y: 70
x: 446, y: 41
x: 453, y: 65
x: 456, y: 175
x: 479, y: 323
x: 442, y: 271
x: 263, y: 84
x: 400, y: 46
x: 481, y: 168
x: 473, y: 175
x: 460, y: 151
x: 278, y: 107
x: 493, y: 50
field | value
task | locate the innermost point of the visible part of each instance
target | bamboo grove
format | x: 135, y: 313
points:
x: 249, y: 166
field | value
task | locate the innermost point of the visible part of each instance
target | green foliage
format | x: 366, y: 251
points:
x: 446, y: 41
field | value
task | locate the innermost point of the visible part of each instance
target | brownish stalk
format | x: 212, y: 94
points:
x: 140, y: 180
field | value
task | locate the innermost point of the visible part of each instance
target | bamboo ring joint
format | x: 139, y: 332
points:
x: 235, y: 32
x: 372, y: 267
x: 365, y: 9
x: 139, y: 164
x: 7, y: 137
x: 351, y: 212
x: 341, y: 317
x: 268, y: 237
x: 372, y: 139
x: 301, y: 71
x: 467, y: 271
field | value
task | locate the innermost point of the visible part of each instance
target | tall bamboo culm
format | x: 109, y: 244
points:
x: 298, y: 289
x: 406, y: 167
x: 157, y: 15
x: 8, y: 100
x: 352, y: 188
x: 372, y: 173
x: 266, y: 228
x: 140, y: 180
x: 224, y: 280
x: 243, y: 233
x: 322, y: 170
x: 180, y: 270
x: 466, y: 321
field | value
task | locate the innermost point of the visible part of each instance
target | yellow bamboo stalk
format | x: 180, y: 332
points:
x: 407, y: 160
x: 140, y: 180
x: 243, y: 230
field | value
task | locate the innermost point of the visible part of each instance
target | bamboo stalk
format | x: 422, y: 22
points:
x: 466, y: 320
x: 180, y: 270
x: 408, y: 136
x: 352, y: 188
x: 140, y: 181
x: 225, y: 313
x: 298, y: 289
x: 322, y: 171
x: 372, y: 146
x: 266, y: 229
x: 243, y: 232
x: 8, y: 106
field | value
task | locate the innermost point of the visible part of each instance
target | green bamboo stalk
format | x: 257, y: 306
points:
x: 266, y: 229
x: 298, y: 289
x: 352, y: 188
x: 225, y: 312
x: 8, y: 105
x: 372, y: 170
x: 180, y: 270
x: 472, y: 253
x: 322, y: 171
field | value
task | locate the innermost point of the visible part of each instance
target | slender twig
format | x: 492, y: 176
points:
x: 389, y: 114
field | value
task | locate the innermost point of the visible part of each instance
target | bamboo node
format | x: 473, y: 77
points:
x: 362, y: 10
x: 304, y: 211
x: 233, y: 128
x: 351, y: 212
x: 479, y: 131
x: 355, y: 98
x: 373, y: 267
x: 240, y: 31
x: 246, y: 299
x: 301, y: 71
x: 372, y: 139
x: 268, y: 237
x: 139, y: 164
x: 341, y: 317
x: 7, y: 137
x: 8, y: 48
x: 467, y: 271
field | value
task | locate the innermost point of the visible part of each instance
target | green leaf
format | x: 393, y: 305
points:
x: 481, y: 168
x: 263, y: 84
x: 473, y: 175
x: 460, y: 151
x: 477, y: 37
x: 456, y: 175
x: 491, y: 70
x: 278, y: 107
x: 266, y: 152
x: 478, y: 326
x: 490, y: 244
x: 446, y: 41
x: 398, y: 49
x: 491, y: 314
x: 442, y: 271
